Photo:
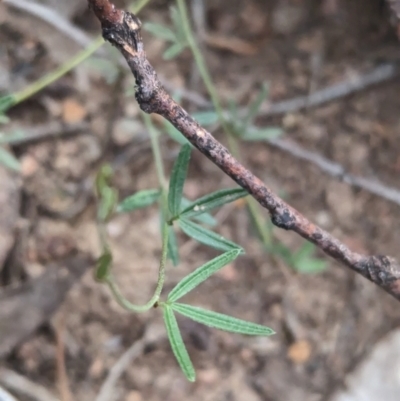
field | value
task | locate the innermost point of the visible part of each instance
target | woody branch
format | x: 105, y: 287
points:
x: 123, y: 30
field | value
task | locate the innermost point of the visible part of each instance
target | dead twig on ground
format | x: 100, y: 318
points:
x: 336, y: 170
x: 122, y: 29
x: 54, y: 129
x: 62, y: 376
x: 107, y: 391
x: 22, y: 385
x: 54, y: 19
x: 359, y: 82
x: 6, y: 396
x: 152, y: 335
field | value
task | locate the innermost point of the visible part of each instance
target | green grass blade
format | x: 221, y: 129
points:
x: 221, y: 321
x: 212, y: 201
x: 178, y: 177
x: 207, y: 237
x: 139, y: 200
x: 201, y: 274
x: 177, y: 344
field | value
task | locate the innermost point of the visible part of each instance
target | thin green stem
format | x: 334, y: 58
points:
x: 48, y: 79
x: 160, y: 282
x: 155, y: 146
x: 232, y: 141
x: 200, y: 62
x: 59, y: 72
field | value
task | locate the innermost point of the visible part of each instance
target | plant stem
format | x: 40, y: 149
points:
x: 160, y: 282
x: 155, y: 146
x: 48, y: 79
x: 59, y: 72
x: 258, y: 218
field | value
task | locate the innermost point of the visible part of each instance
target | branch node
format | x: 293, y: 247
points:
x: 282, y: 218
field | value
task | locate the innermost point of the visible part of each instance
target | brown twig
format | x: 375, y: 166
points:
x: 122, y: 29
x: 22, y: 385
x: 336, y: 170
x: 62, y: 375
x: 359, y: 82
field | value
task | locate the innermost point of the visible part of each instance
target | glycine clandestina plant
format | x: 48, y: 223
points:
x: 187, y: 215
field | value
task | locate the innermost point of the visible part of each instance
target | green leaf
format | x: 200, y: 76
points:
x: 306, y: 251
x: 201, y: 274
x: 261, y: 134
x: 4, y: 119
x: 173, y: 250
x: 211, y: 201
x: 206, y: 118
x: 255, y: 106
x: 309, y: 266
x: 177, y: 344
x: 178, y: 25
x: 12, y: 137
x: 102, y: 179
x: 177, y: 180
x: 175, y: 134
x: 205, y: 218
x: 304, y: 262
x: 6, y: 102
x: 221, y: 321
x: 8, y: 160
x: 139, y: 200
x: 160, y: 31
x: 106, y: 68
x: 207, y: 237
x: 173, y: 51
x: 103, y: 265
x: 108, y: 202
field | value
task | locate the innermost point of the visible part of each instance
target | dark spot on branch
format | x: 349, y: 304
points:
x: 283, y: 219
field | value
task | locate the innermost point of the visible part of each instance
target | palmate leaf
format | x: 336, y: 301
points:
x: 221, y: 321
x: 177, y: 180
x: 201, y: 274
x: 139, y: 200
x: 212, y: 201
x: 207, y: 237
x: 177, y: 344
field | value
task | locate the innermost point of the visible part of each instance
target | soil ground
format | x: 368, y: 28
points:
x: 326, y: 323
